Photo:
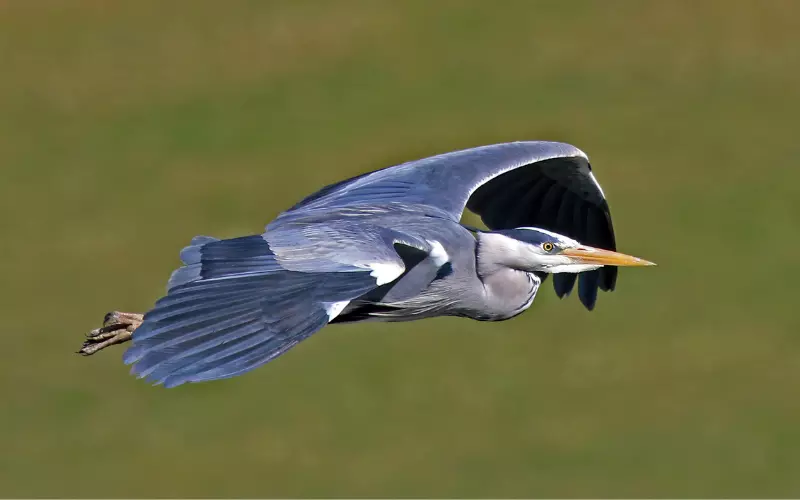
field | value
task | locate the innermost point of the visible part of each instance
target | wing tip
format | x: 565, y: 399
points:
x: 587, y: 288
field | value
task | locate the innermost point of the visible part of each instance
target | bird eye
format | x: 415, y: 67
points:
x: 547, y: 246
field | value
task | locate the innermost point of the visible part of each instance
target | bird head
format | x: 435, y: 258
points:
x: 542, y: 250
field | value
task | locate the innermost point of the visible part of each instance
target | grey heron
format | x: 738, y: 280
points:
x: 388, y: 245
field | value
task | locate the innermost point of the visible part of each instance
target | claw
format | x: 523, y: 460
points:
x: 117, y: 328
x: 99, y: 332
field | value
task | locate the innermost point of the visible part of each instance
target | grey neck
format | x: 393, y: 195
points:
x: 508, y: 290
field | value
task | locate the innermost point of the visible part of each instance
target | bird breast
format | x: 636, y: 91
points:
x: 508, y: 292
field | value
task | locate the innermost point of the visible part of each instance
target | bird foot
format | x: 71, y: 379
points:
x: 117, y: 328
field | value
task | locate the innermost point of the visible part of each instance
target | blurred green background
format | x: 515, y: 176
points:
x: 126, y: 128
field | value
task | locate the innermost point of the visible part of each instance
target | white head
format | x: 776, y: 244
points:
x: 535, y: 249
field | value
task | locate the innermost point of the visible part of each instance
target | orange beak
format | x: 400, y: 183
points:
x: 596, y: 256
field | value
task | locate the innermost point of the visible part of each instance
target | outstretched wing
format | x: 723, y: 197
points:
x: 542, y: 184
x: 561, y: 195
x: 233, y: 306
x: 440, y: 184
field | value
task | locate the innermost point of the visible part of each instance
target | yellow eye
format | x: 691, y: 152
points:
x: 547, y: 246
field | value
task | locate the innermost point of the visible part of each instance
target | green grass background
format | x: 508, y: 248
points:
x: 126, y: 128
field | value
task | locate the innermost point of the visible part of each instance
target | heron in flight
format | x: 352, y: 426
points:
x: 383, y: 246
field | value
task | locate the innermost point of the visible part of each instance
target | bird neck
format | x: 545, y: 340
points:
x: 496, y: 252
x: 507, y: 290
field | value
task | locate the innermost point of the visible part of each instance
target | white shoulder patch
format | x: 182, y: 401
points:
x: 335, y: 308
x: 385, y: 272
x: 438, y: 253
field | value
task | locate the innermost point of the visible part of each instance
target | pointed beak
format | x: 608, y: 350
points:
x: 596, y: 256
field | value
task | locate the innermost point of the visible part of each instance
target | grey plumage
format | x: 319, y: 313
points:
x: 383, y: 246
